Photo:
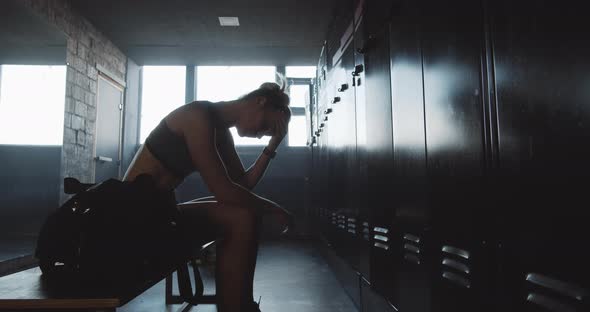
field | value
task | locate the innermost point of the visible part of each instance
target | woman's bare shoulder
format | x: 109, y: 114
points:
x: 186, y: 115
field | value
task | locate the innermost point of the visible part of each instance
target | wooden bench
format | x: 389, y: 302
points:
x: 27, y: 291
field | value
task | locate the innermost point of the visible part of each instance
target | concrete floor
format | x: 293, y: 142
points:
x: 15, y: 246
x: 291, y: 276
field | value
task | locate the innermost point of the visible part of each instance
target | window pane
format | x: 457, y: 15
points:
x: 299, y: 94
x: 162, y: 91
x: 300, y: 71
x: 32, y: 118
x: 226, y: 83
x: 297, y: 131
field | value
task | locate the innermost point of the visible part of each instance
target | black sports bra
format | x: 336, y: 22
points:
x: 170, y: 149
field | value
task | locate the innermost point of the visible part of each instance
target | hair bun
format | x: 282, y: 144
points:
x: 273, y: 86
x: 270, y: 86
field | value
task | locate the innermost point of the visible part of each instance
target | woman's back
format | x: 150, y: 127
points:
x: 164, y: 155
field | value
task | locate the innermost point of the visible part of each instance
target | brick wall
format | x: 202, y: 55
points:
x: 86, y: 47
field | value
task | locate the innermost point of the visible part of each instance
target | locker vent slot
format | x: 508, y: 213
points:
x: 457, y: 279
x: 381, y: 238
x: 412, y: 248
x: 366, y: 231
x: 352, y: 231
x: 412, y: 238
x: 558, y: 286
x: 366, y: 224
x: 548, y: 303
x: 353, y: 220
x: 456, y: 265
x: 412, y: 258
x: 381, y: 230
x: 456, y: 251
x: 352, y: 225
x: 382, y: 246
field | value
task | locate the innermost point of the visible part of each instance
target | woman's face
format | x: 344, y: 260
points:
x: 257, y: 122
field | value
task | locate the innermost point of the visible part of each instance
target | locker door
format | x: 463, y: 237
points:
x: 452, y: 45
x: 542, y: 75
x: 364, y: 227
x: 379, y: 159
x: 342, y: 118
x: 410, y: 247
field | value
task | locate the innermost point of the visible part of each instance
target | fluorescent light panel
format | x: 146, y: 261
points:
x: 229, y: 21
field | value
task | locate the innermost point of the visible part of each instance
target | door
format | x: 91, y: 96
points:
x: 108, y: 129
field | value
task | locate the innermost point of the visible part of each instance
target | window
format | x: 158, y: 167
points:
x: 299, y: 95
x: 225, y: 83
x: 32, y: 104
x: 300, y: 71
x: 299, y: 91
x: 163, y: 90
x: 297, y: 131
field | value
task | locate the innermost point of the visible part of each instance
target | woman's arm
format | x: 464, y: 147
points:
x: 255, y: 173
x: 227, y: 150
x: 199, y: 134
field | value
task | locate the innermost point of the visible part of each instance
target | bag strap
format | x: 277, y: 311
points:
x: 184, y: 283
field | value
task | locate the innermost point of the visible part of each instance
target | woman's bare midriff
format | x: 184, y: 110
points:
x: 146, y: 162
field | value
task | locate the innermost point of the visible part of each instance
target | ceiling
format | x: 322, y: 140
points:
x: 27, y: 39
x: 174, y: 32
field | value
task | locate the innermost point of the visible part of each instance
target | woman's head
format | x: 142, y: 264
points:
x: 266, y: 106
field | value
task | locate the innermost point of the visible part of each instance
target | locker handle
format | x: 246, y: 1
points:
x: 336, y: 100
x: 343, y: 87
x: 103, y: 159
x: 368, y: 44
x: 358, y: 69
x: 327, y: 111
x: 326, y: 118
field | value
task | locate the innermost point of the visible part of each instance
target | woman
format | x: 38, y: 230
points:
x: 196, y: 137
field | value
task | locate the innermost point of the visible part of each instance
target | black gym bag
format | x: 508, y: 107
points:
x: 113, y: 237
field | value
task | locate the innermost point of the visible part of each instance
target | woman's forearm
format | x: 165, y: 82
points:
x: 256, y: 171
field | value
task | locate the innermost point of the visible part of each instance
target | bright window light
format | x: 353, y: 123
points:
x: 300, y: 71
x: 162, y: 91
x: 297, y: 131
x: 32, y: 104
x: 298, y: 95
x: 226, y: 83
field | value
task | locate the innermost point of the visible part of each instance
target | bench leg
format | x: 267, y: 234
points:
x: 170, y: 298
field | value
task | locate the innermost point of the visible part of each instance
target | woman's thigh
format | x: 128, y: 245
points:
x: 209, y: 220
x: 199, y: 220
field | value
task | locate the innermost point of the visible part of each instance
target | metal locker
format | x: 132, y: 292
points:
x: 542, y: 73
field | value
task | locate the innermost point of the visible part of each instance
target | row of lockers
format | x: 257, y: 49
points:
x: 451, y: 152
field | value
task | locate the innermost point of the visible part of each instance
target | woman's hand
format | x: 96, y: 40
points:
x: 281, y: 128
x: 284, y: 220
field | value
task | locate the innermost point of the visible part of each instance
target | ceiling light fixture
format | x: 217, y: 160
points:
x: 229, y: 21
